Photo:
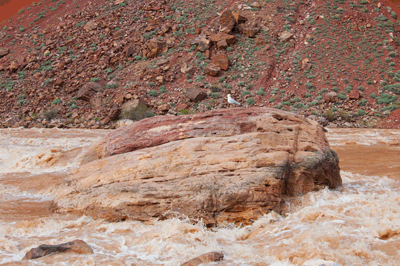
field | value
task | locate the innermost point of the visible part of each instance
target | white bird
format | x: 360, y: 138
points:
x: 230, y: 100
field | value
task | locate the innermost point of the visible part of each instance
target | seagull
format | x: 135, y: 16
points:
x: 230, y: 100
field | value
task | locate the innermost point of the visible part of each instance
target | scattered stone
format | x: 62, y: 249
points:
x: 285, y: 36
x: 331, y: 97
x: 260, y: 41
x: 239, y: 18
x: 227, y: 21
x: 222, y: 36
x: 114, y: 112
x: 4, y: 52
x: 204, y: 44
x: 212, y: 69
x: 205, y: 258
x: 185, y: 69
x: 163, y: 108
x: 162, y: 62
x: 76, y: 246
x: 354, y: 94
x: 14, y: 66
x: 195, y: 94
x: 156, y: 47
x: 222, y: 44
x: 89, y: 90
x: 221, y: 60
x: 305, y: 64
x: 123, y: 123
x: 91, y: 25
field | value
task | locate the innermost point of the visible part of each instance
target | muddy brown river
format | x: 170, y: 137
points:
x: 357, y: 224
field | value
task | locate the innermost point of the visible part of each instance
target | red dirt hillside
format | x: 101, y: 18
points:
x: 87, y: 64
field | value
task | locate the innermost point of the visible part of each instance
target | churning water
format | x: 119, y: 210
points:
x: 357, y: 224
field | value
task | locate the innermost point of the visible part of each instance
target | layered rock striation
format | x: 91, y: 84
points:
x: 230, y: 165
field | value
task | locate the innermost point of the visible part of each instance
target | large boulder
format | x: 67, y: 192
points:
x: 230, y: 165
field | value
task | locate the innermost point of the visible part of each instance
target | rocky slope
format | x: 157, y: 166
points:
x: 335, y: 60
x: 231, y: 165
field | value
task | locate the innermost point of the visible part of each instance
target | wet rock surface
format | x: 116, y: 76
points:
x: 205, y: 258
x: 231, y: 165
x: 76, y: 246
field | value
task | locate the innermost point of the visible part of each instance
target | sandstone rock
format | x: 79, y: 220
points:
x: 230, y: 165
x: 305, y: 64
x: 205, y: 258
x: 185, y: 69
x: 163, y: 108
x: 114, y: 112
x: 212, y: 69
x: 135, y: 109
x: 14, y: 66
x: 331, y: 97
x: 222, y: 44
x: 195, y: 94
x: 89, y: 90
x: 260, y: 41
x: 222, y: 36
x: 204, y: 44
x: 76, y: 246
x: 285, y: 36
x: 123, y: 123
x: 221, y: 61
x: 156, y: 47
x: 227, y: 21
x: 239, y: 18
x: 250, y: 30
x: 91, y: 25
x: 4, y: 52
x: 354, y: 94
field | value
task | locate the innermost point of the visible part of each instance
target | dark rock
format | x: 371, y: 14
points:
x: 227, y: 21
x: 114, y: 112
x: 4, y: 52
x: 76, y: 246
x: 89, y: 90
x: 212, y: 69
x: 204, y: 258
x: 195, y: 94
x: 221, y: 61
x: 222, y: 36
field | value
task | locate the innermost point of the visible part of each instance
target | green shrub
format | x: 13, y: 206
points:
x: 260, y: 91
x: 307, y: 95
x: 342, y: 96
x: 363, y: 102
x: 385, y: 98
x: 244, y: 93
x: 309, y: 85
x: 214, y: 95
x: 94, y: 79
x: 361, y: 112
x: 250, y: 101
x: 162, y: 89
x: 56, y: 101
x: 153, y: 93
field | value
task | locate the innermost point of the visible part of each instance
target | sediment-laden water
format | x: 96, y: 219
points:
x: 358, y: 224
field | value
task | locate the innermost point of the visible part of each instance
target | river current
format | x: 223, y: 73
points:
x: 357, y: 224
